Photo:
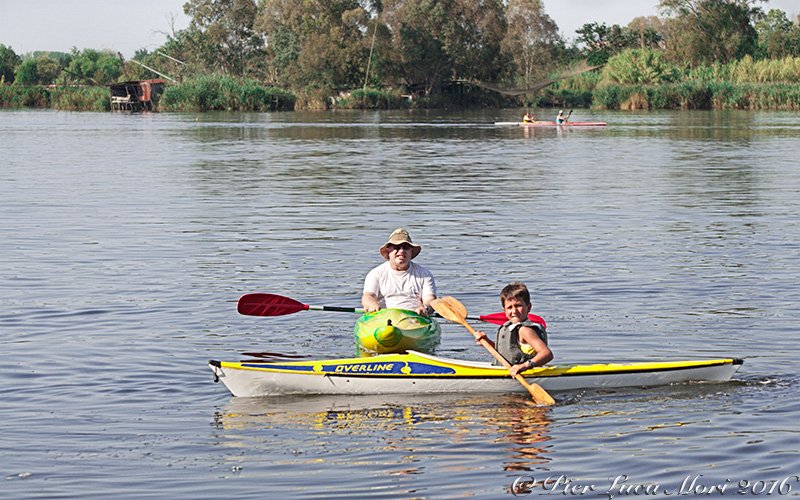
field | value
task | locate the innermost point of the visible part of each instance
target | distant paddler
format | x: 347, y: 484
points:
x: 561, y: 119
x: 529, y: 118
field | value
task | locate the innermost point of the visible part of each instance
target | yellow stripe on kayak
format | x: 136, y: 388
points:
x: 411, y: 364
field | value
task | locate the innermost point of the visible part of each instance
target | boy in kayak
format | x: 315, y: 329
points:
x: 398, y: 282
x: 528, y: 118
x: 519, y: 340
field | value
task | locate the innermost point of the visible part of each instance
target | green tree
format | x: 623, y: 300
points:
x: 474, y: 38
x: 285, y: 47
x: 531, y: 39
x: 645, y: 32
x: 438, y: 40
x: 176, y: 58
x: 221, y: 35
x: 777, y: 36
x: 49, y: 67
x: 26, y: 73
x: 40, y: 69
x: 419, y: 55
x: 92, y: 66
x: 9, y: 61
x: 282, y: 24
x: 316, y: 44
x: 705, y: 31
x: 600, y: 42
x: 147, y: 65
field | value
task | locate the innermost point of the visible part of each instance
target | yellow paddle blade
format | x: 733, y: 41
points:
x: 450, y: 309
x: 540, y: 396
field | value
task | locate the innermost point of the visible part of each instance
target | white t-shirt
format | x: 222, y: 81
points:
x: 400, y: 289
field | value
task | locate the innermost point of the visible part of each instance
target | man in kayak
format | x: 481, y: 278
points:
x: 561, y: 119
x: 522, y: 342
x: 528, y: 118
x: 398, y: 282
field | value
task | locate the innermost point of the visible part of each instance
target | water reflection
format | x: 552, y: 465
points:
x: 717, y: 127
x: 393, y: 430
x: 557, y: 132
x: 721, y: 125
x: 523, y: 426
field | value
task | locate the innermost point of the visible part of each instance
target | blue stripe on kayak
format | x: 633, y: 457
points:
x: 271, y: 366
x: 426, y: 369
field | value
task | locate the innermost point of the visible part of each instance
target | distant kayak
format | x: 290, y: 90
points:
x: 551, y: 124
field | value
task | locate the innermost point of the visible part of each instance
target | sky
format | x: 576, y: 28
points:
x: 129, y: 25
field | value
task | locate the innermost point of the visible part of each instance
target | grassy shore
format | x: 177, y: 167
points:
x: 745, y: 84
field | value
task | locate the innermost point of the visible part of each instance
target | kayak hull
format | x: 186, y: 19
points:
x: 552, y: 124
x: 418, y: 373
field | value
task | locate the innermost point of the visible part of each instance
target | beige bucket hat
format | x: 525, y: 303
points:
x: 398, y: 237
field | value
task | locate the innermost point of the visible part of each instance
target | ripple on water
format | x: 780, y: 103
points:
x: 665, y: 236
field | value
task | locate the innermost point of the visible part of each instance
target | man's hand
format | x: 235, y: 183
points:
x: 370, y: 303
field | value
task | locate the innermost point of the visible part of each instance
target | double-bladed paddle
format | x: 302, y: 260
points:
x: 269, y: 304
x: 453, y: 310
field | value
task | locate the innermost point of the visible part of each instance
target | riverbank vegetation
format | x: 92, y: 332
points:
x: 273, y: 55
x: 224, y: 93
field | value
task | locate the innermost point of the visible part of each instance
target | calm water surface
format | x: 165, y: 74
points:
x: 126, y: 241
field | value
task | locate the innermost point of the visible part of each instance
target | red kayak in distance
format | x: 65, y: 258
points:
x: 552, y: 124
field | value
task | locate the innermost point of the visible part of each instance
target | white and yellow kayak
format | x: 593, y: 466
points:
x: 418, y: 373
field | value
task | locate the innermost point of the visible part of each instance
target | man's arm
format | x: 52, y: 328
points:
x: 370, y: 302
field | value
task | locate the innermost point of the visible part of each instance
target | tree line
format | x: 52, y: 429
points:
x: 315, y: 49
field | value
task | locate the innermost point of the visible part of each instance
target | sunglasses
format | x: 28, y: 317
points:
x: 392, y: 247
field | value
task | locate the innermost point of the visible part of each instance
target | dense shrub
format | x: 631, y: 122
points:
x: 638, y: 67
x: 700, y: 95
x: 610, y: 96
x: 80, y: 98
x: 748, y: 70
x: 224, y: 93
x: 14, y: 96
x: 372, y: 99
x: 564, y: 98
x: 466, y: 95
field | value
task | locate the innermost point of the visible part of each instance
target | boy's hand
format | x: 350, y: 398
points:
x: 479, y: 335
x: 517, y: 369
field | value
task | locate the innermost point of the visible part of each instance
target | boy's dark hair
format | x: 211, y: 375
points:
x: 517, y: 291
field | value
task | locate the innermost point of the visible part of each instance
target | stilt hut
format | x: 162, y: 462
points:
x: 140, y: 95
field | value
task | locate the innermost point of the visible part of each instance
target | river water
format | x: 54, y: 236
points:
x: 127, y: 239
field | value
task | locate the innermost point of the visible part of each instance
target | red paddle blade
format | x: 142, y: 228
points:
x: 500, y: 318
x: 496, y: 318
x: 268, y: 304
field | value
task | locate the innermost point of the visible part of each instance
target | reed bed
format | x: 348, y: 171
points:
x: 224, y: 93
